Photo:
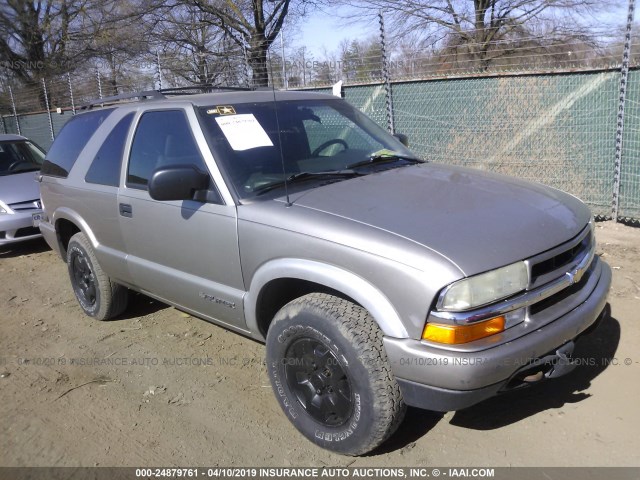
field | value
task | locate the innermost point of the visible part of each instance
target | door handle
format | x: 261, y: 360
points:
x: 126, y: 210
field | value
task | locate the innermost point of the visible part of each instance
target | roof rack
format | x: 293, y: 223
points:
x: 153, y: 94
x: 163, y: 93
x: 205, y: 88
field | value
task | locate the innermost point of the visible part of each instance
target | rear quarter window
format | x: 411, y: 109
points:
x: 71, y: 140
x: 105, y: 169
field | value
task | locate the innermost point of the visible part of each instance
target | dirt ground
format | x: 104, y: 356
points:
x: 160, y: 388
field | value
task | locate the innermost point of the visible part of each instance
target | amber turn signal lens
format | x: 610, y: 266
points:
x: 454, y: 334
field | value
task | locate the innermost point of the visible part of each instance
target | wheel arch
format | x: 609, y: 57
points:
x: 279, y: 281
x: 67, y: 223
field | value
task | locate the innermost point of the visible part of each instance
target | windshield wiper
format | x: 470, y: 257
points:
x: 297, y: 177
x: 384, y: 158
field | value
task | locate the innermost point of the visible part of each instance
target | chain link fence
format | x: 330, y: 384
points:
x: 630, y: 168
x: 557, y: 128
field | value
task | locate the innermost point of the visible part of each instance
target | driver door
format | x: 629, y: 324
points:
x: 183, y: 252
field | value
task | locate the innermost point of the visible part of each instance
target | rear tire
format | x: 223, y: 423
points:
x: 331, y: 376
x: 97, y: 295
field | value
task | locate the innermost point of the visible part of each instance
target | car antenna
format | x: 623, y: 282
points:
x: 275, y: 109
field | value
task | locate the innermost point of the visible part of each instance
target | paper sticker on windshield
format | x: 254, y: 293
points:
x: 222, y: 110
x: 243, y: 132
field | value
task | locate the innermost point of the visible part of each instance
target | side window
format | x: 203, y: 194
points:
x: 105, y: 169
x: 71, y: 140
x: 162, y: 138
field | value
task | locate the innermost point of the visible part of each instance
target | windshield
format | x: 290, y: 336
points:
x: 323, y: 135
x: 19, y: 156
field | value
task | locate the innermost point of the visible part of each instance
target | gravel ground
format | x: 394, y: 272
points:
x: 158, y: 387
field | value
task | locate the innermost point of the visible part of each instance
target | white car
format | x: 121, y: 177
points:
x: 20, y: 205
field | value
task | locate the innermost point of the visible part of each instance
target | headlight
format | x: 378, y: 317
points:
x: 484, y: 288
x: 4, y: 209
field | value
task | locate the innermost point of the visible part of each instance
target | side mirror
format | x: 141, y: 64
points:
x: 403, y: 138
x: 178, y: 182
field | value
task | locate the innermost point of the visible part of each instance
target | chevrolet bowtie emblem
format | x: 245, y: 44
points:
x: 576, y: 275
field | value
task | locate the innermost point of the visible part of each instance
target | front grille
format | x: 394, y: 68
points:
x: 26, y: 232
x: 557, y: 262
x: 562, y: 259
x: 560, y: 296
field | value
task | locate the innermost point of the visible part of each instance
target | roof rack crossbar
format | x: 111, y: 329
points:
x: 206, y: 88
x: 162, y: 93
x: 153, y: 94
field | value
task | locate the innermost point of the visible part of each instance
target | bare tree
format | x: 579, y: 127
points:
x: 361, y: 61
x: 483, y: 30
x: 36, y: 37
x: 45, y: 39
x: 253, y: 25
x: 300, y: 67
x: 195, y: 49
x: 117, y: 40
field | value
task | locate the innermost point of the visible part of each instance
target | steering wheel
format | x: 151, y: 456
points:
x: 328, y: 143
x: 15, y: 164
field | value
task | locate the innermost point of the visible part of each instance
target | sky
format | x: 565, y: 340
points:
x: 325, y: 30
x: 322, y: 30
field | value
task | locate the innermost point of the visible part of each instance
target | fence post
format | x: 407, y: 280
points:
x: 99, y: 80
x: 73, y: 103
x: 285, y: 83
x: 15, y: 113
x: 385, y: 73
x: 159, y: 69
x: 46, y: 102
x: 304, y: 69
x: 624, y: 77
x: 247, y: 67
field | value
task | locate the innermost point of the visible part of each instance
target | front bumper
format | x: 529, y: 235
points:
x: 442, y: 380
x: 18, y: 227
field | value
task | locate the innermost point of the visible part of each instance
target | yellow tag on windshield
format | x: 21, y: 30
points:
x: 385, y: 152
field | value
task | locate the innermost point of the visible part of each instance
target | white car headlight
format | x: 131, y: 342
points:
x: 484, y: 288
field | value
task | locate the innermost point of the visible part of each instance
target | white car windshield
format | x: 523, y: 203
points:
x: 19, y: 156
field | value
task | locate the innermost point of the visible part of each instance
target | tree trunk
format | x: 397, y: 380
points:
x: 258, y: 60
x: 113, y: 81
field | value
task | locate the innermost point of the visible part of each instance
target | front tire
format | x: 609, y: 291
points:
x: 97, y: 295
x: 331, y: 376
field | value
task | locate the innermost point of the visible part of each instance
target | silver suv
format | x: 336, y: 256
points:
x: 377, y: 280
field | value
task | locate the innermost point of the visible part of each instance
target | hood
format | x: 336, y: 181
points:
x: 478, y: 220
x: 19, y: 187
